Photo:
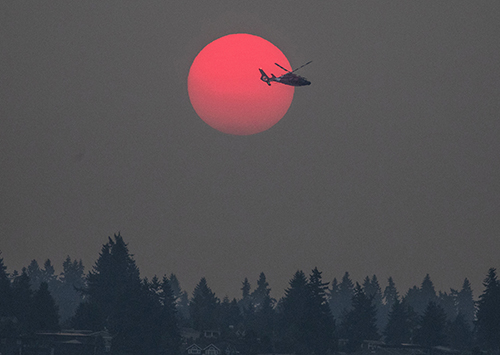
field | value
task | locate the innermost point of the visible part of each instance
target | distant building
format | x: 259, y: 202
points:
x: 189, y: 334
x: 211, y: 334
x: 195, y: 349
x: 66, y: 342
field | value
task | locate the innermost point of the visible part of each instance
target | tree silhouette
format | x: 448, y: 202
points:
x: 460, y: 333
x: 360, y: 323
x: 322, y: 324
x: 390, y: 293
x: 44, y: 312
x: 344, y: 297
x: 261, y: 294
x: 171, y: 338
x: 296, y: 314
x: 246, y: 303
x: 488, y: 313
x: 118, y: 300
x: 22, y: 298
x: 432, y: 331
x: 229, y: 316
x: 35, y: 274
x: 69, y: 293
x: 5, y: 291
x: 372, y: 289
x: 259, y: 316
x: 181, y: 299
x: 390, y: 296
x: 419, y: 298
x: 399, y: 324
x: 465, y: 303
x: 245, y: 289
x: 203, y: 307
x: 447, y: 301
x: 333, y: 297
x: 157, y: 327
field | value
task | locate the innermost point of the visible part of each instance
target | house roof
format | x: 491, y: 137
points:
x: 193, y: 346
x: 211, y: 346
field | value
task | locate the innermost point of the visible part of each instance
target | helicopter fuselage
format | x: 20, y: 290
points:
x: 286, y: 79
x: 293, y: 80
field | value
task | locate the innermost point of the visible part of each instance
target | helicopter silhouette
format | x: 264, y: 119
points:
x: 288, y: 79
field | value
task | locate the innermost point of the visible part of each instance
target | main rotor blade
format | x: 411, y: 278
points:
x: 282, y: 67
x: 309, y: 62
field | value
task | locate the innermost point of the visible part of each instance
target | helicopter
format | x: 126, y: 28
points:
x: 288, y: 79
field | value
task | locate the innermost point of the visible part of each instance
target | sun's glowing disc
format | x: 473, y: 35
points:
x: 225, y: 88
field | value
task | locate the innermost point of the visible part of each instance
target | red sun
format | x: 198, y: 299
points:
x: 225, y: 88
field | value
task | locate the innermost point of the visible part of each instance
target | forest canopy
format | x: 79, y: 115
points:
x: 313, y: 316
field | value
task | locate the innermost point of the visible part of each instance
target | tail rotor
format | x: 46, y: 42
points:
x: 264, y: 77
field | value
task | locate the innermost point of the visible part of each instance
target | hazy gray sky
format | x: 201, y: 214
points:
x: 387, y: 164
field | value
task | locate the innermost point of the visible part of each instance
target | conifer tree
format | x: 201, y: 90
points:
x: 148, y: 327
x: 245, y: 289
x: 372, y: 289
x: 262, y: 293
x: 432, y: 331
x: 259, y: 315
x: 376, y: 291
x: 44, y: 314
x: 419, y: 298
x: 5, y: 291
x: 322, y: 324
x: 34, y: 274
x: 115, y: 297
x: 389, y: 297
x: 345, y: 294
x: 159, y: 327
x: 246, y: 300
x: 488, y: 313
x: 459, y: 333
x: 171, y: 338
x: 399, y: 324
x: 360, y: 323
x: 263, y: 325
x: 69, y: 293
x: 427, y: 288
x: 465, y: 303
x: 333, y: 296
x: 447, y: 301
x: 48, y: 275
x: 181, y: 298
x: 390, y: 292
x: 22, y: 298
x: 296, y: 314
x: 7, y: 314
x: 203, y: 307
x: 229, y: 315
x: 427, y: 294
x: 88, y: 315
x: 367, y: 286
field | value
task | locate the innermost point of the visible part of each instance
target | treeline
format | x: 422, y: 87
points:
x: 313, y: 316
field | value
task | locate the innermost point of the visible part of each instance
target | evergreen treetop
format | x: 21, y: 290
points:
x: 5, y: 291
x: 44, y: 315
x: 465, y: 302
x: 203, y: 307
x: 488, y: 313
x: 245, y: 289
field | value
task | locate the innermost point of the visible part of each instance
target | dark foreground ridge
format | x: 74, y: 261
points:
x: 112, y: 310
